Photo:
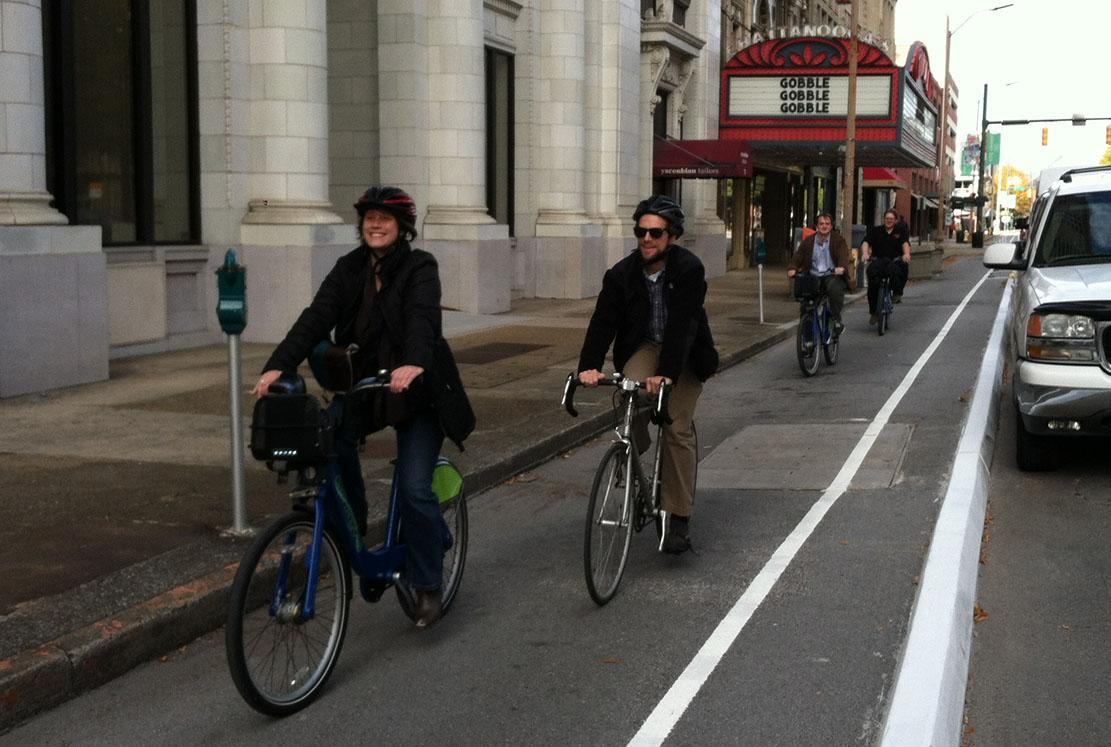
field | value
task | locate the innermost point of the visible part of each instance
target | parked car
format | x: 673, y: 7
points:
x: 1060, y: 318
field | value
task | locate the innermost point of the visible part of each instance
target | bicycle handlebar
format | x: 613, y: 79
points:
x: 659, y: 412
x: 380, y: 380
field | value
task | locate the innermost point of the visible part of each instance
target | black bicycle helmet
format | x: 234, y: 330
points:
x: 666, y: 208
x: 393, y: 200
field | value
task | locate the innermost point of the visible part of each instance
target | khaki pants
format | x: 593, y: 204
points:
x: 678, y: 459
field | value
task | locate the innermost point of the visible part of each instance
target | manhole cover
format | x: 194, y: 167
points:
x: 495, y: 351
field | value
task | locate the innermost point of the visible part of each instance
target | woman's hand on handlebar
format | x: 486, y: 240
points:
x: 264, y: 382
x: 591, y: 377
x: 402, y: 377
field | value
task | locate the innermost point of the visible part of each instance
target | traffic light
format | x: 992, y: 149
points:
x: 1045, y: 135
x: 1108, y: 134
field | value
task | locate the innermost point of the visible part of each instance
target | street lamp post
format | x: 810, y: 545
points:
x: 942, y: 178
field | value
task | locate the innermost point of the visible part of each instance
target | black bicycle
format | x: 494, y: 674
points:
x: 885, y: 307
x: 815, y: 328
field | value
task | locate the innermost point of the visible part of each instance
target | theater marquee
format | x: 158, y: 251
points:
x: 808, y: 95
x: 788, y: 99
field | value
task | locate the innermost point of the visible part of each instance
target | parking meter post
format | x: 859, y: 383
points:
x: 238, y: 492
x: 761, y: 258
x: 231, y: 310
x: 760, y: 284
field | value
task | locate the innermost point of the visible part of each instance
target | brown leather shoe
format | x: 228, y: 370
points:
x: 428, y: 608
x: 678, y: 539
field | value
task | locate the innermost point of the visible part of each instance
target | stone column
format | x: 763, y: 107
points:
x: 473, y: 250
x: 53, y: 286
x: 290, y: 234
x: 289, y: 115
x: 23, y: 196
x: 613, y: 78
x: 700, y: 99
x: 570, y: 256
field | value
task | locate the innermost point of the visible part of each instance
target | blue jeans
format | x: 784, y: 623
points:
x: 418, y: 445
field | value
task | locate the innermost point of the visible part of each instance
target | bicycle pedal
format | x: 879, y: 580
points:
x: 371, y: 589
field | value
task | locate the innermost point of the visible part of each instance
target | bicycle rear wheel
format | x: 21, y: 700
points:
x: 280, y: 659
x: 884, y: 308
x: 806, y: 344
x: 609, y: 524
x: 447, y: 484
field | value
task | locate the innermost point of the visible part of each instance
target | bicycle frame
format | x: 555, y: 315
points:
x: 633, y: 465
x: 623, y: 432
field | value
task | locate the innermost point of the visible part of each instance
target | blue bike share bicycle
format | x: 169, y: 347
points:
x: 292, y: 594
x: 815, y: 325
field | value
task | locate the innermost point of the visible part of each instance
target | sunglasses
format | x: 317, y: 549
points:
x: 640, y: 231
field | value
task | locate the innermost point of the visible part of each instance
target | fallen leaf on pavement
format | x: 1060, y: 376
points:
x: 979, y: 614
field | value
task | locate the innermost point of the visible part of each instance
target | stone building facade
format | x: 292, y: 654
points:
x: 139, y: 141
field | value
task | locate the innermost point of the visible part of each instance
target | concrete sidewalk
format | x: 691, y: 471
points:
x: 117, y: 492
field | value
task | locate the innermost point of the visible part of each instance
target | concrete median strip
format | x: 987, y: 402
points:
x: 928, y: 699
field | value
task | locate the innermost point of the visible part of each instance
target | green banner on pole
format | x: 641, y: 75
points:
x: 992, y: 156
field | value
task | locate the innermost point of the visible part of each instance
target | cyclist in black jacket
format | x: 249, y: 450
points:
x: 651, y: 310
x: 889, y: 251
x: 384, y: 297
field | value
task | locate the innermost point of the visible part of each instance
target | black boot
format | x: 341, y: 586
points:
x: 678, y: 539
x: 428, y: 608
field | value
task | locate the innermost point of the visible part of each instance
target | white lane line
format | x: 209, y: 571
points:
x: 678, y: 698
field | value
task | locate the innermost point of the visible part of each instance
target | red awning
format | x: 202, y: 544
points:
x: 877, y: 176
x: 701, y: 159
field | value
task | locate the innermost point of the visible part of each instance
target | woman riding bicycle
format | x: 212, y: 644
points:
x: 885, y: 245
x: 826, y: 255
x: 384, y: 297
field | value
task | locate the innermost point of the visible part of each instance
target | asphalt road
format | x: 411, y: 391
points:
x: 1040, y: 671
x: 526, y: 657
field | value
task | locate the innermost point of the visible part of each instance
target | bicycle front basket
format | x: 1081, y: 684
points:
x: 807, y: 285
x: 290, y: 431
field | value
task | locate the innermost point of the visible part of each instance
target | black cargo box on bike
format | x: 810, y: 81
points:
x: 290, y: 431
x: 807, y: 285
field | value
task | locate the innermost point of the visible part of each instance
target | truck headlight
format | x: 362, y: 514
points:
x: 1063, y: 338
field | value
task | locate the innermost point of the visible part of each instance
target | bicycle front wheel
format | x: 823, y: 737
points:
x: 279, y: 656
x: 806, y: 344
x: 609, y: 524
x: 831, y: 342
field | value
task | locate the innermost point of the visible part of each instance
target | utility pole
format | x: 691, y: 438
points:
x: 978, y: 234
x: 848, y: 214
x: 942, y: 170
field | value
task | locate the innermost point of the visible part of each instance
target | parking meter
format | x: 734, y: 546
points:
x: 231, y: 311
x: 231, y: 282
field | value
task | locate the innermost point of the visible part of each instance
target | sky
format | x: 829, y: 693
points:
x: 1039, y: 58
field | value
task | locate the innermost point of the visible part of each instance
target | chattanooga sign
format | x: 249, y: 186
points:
x: 807, y: 96
x: 821, y: 31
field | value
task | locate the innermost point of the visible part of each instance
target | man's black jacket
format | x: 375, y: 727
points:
x: 621, y: 316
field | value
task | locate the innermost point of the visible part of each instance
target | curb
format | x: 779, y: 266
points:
x: 927, y: 702
x: 33, y: 681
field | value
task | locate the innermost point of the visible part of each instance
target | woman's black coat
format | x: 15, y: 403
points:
x: 408, y: 308
x: 622, y: 312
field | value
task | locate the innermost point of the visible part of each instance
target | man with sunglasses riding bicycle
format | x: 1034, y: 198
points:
x: 651, y: 310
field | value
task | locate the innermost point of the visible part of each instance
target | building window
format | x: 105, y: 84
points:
x: 499, y: 136
x: 121, y: 112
